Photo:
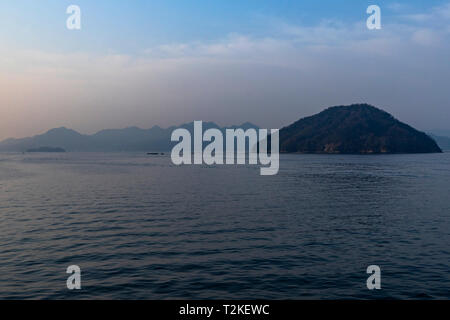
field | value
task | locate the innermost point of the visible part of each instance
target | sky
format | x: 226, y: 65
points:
x: 145, y: 63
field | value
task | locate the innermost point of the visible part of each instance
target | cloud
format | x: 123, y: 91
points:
x: 397, y: 6
x: 426, y: 37
x: 437, y: 15
x: 426, y: 28
x: 267, y: 80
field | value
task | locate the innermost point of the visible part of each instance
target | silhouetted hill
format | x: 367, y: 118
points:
x: 66, y: 138
x: 354, y: 129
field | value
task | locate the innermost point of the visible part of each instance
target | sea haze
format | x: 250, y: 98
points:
x: 142, y: 228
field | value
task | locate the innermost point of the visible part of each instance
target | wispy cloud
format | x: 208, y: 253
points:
x: 270, y: 80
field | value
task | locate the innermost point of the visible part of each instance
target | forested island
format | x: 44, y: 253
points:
x: 354, y: 129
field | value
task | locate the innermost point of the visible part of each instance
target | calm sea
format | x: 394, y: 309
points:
x: 142, y: 228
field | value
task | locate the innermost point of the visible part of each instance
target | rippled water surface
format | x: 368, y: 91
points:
x: 141, y: 228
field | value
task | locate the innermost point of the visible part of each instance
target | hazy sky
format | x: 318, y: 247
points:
x: 145, y: 63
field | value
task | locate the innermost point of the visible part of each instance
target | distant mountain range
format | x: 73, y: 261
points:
x: 47, y: 149
x: 354, y: 129
x: 110, y: 140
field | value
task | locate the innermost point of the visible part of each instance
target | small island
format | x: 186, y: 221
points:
x: 46, y: 149
x: 354, y: 129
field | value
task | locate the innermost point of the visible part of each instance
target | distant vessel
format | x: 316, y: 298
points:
x: 155, y: 153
